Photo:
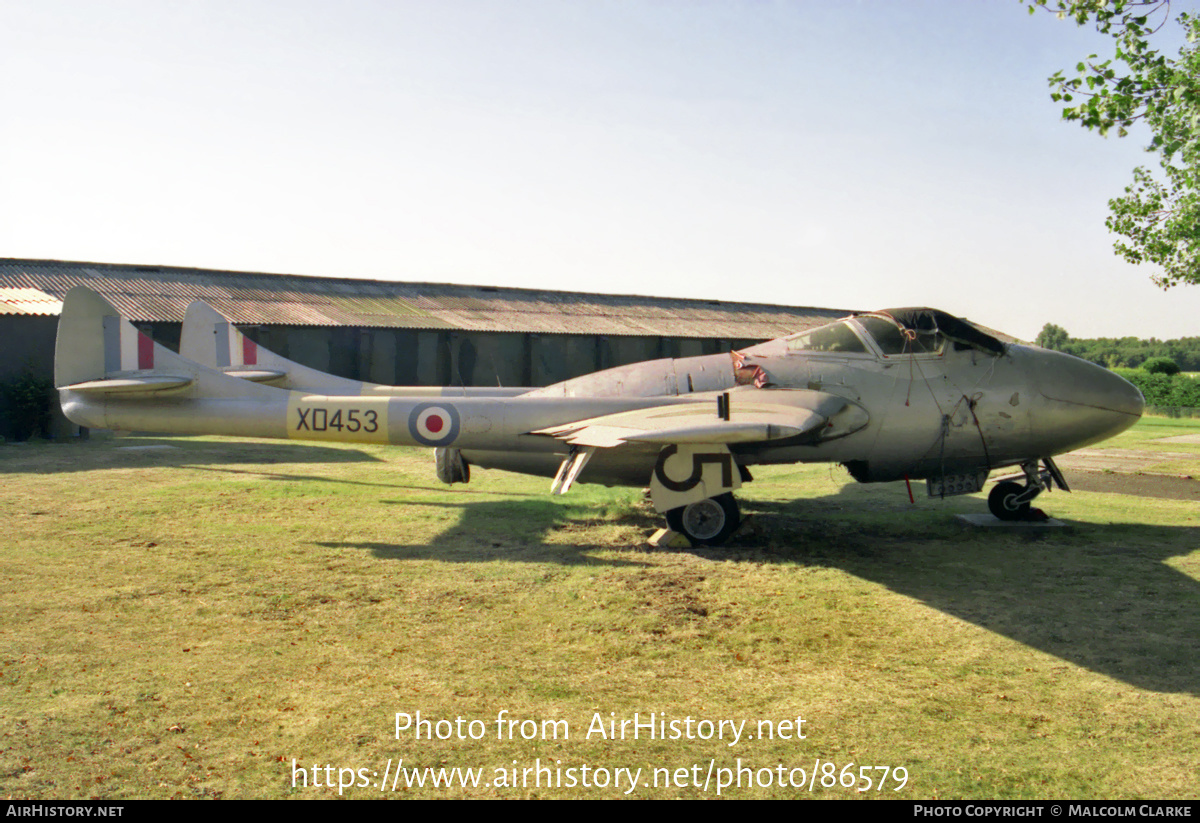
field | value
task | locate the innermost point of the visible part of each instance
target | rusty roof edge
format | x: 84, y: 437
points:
x: 134, y: 268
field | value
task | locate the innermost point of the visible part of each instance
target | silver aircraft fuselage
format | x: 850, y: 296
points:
x: 926, y: 415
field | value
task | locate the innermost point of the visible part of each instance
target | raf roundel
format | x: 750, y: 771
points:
x: 433, y: 424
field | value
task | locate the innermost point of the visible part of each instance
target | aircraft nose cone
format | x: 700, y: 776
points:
x: 1125, y: 397
x: 1071, y: 380
x: 1082, y: 403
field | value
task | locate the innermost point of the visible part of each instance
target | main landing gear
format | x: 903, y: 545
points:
x: 1009, y: 499
x: 708, y: 522
x: 451, y: 466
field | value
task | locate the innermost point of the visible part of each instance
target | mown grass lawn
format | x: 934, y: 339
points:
x: 205, y: 617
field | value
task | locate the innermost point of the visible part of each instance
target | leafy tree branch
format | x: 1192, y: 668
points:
x: 1157, y: 220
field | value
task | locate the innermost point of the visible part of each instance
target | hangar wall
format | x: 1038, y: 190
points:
x: 27, y: 346
x: 410, y: 357
x: 389, y: 332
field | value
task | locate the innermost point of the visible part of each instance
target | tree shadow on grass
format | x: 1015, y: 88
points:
x: 520, y: 531
x: 1101, y: 596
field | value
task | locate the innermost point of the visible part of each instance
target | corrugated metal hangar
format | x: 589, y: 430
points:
x: 389, y: 332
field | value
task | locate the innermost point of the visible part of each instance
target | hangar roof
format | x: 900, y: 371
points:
x: 162, y: 293
x: 28, y: 301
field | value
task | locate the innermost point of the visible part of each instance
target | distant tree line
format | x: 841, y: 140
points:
x: 1165, y: 391
x: 1125, y: 352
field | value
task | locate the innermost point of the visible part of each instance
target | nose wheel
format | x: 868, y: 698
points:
x: 708, y: 522
x: 1005, y: 502
x: 1009, y: 499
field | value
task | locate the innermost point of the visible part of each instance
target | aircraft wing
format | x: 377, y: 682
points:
x: 693, y: 439
x: 700, y: 422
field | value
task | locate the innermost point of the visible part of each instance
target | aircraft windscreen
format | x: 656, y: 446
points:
x: 836, y: 337
x: 892, y: 340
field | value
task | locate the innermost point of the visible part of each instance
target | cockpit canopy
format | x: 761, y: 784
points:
x: 896, y: 332
x: 963, y: 332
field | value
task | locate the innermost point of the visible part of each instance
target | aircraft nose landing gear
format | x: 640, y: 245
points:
x: 1004, y: 501
x: 708, y: 522
x: 1009, y: 500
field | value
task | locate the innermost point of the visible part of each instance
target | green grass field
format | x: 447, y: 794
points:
x: 213, y: 618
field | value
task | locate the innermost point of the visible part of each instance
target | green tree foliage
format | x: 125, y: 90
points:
x: 1165, y: 391
x: 1160, y: 365
x: 1053, y: 337
x: 25, y: 406
x: 1123, y: 352
x: 1158, y: 218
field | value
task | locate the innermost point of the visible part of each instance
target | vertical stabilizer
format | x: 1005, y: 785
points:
x: 210, y: 339
x: 111, y: 376
x: 95, y: 342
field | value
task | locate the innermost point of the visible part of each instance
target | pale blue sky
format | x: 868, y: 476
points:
x: 842, y: 154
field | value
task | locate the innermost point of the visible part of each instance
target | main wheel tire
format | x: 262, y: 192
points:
x: 1003, y: 501
x: 707, y: 522
x: 451, y: 466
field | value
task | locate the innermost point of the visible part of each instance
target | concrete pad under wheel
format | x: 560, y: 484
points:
x: 990, y: 521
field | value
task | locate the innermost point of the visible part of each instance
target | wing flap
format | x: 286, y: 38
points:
x: 600, y: 436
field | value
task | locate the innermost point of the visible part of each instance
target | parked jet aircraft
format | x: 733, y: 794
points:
x: 907, y: 393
